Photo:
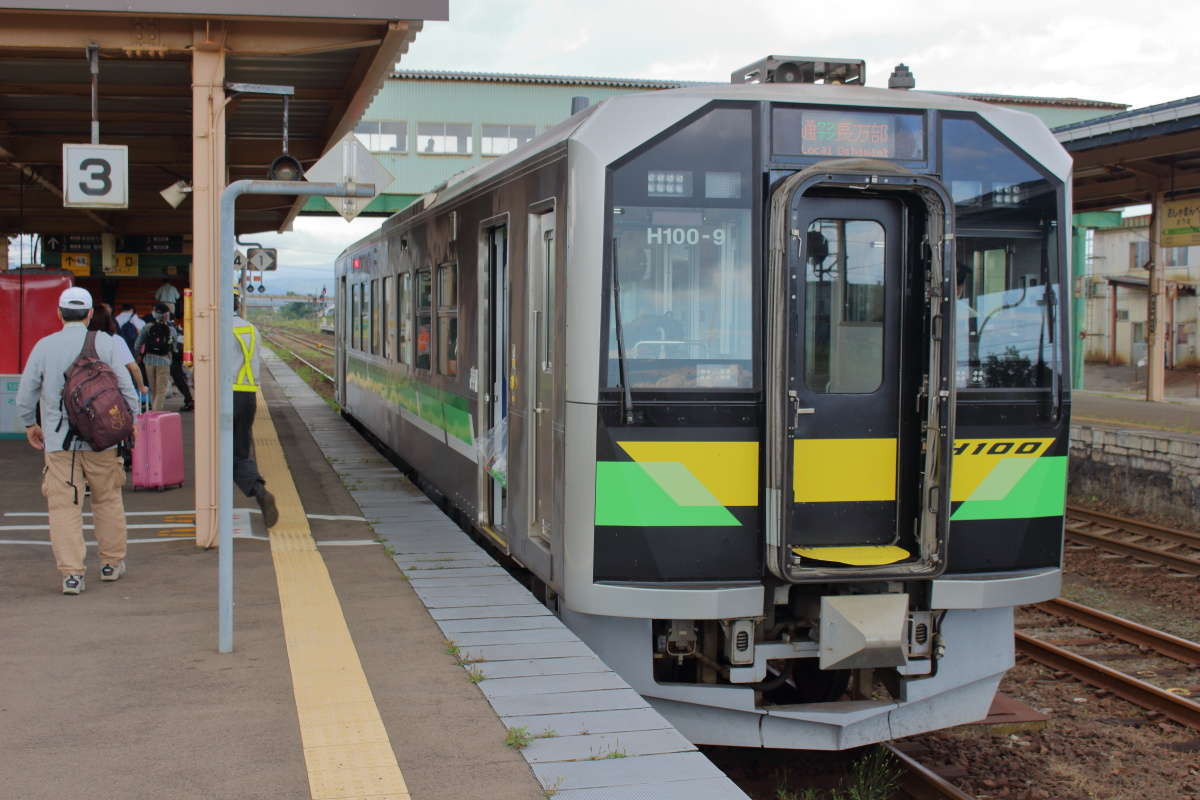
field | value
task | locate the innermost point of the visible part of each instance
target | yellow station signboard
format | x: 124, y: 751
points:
x: 1179, y: 223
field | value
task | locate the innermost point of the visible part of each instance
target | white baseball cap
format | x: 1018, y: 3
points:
x: 75, y: 298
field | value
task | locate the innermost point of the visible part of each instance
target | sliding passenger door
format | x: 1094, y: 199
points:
x: 540, y: 358
x: 493, y: 389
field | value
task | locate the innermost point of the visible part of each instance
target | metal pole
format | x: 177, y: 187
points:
x: 93, y: 55
x: 225, y: 366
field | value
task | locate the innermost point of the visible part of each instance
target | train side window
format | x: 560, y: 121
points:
x: 424, y: 319
x: 374, y: 315
x: 447, y: 319
x: 388, y: 342
x: 404, y: 314
x: 363, y: 333
x: 352, y: 323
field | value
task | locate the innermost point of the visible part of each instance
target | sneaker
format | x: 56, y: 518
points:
x: 187, y: 407
x: 112, y: 572
x: 266, y: 501
x: 73, y: 584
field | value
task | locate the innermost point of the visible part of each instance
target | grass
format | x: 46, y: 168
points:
x: 873, y: 776
x: 475, y: 674
x: 519, y: 737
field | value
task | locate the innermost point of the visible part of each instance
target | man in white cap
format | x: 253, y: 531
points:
x: 70, y: 463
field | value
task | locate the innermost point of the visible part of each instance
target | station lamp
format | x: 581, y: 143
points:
x: 284, y: 167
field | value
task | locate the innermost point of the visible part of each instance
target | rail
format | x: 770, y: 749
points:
x: 271, y: 336
x: 921, y: 783
x: 1079, y: 521
x: 1173, y: 706
x: 1125, y: 630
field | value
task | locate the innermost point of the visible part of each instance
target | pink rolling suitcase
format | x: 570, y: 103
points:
x: 158, y: 451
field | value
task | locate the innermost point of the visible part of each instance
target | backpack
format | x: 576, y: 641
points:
x: 92, y: 401
x: 158, y: 339
x: 128, y: 331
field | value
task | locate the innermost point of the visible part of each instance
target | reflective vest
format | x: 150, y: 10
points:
x: 247, y: 340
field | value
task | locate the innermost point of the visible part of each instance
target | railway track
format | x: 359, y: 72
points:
x: 1170, y: 704
x: 305, y: 341
x: 1176, y: 549
x: 274, y: 337
x: 919, y: 782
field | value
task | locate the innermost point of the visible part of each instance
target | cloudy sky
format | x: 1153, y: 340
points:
x: 1126, y: 52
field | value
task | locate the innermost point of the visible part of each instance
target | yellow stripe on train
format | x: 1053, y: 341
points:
x: 977, y: 460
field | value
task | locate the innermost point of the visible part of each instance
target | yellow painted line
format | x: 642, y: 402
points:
x: 346, y: 747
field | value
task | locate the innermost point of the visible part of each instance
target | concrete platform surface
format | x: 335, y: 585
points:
x: 1176, y: 415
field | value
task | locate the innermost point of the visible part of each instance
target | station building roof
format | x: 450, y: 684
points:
x: 1126, y: 158
x: 335, y: 55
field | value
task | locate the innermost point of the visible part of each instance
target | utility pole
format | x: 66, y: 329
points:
x: 1154, y: 308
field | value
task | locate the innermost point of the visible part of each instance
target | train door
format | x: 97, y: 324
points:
x: 493, y: 385
x: 540, y: 359
x: 847, y: 459
x: 343, y: 335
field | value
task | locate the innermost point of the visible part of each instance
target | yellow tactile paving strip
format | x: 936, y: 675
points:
x: 346, y: 747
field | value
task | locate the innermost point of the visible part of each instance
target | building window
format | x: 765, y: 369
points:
x: 447, y: 319
x: 424, y: 318
x: 1139, y: 254
x: 1175, y: 256
x: 1138, y: 332
x: 383, y: 137
x: 444, y: 138
x: 500, y: 139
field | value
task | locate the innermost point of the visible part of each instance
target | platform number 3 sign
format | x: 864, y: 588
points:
x: 95, y: 176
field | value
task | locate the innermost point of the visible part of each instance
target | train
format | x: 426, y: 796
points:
x: 763, y: 384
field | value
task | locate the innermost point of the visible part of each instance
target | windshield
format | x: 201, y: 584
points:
x: 682, y: 252
x: 1006, y: 271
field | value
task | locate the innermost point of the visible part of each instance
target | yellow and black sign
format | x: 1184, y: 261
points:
x: 125, y: 265
x: 78, y: 263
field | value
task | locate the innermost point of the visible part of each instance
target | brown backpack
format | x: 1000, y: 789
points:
x: 92, y: 401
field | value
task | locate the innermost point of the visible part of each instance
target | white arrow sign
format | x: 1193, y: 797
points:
x: 349, y: 162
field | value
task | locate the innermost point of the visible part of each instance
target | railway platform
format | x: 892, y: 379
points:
x: 379, y: 652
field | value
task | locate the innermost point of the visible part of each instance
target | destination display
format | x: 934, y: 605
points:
x: 847, y: 134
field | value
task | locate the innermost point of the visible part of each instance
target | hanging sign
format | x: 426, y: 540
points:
x: 78, y: 263
x: 1179, y: 223
x: 124, y: 265
x: 95, y: 176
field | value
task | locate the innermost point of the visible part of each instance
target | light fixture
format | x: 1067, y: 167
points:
x: 285, y: 168
x: 176, y: 193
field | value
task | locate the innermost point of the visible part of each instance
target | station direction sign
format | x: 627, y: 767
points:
x: 262, y: 258
x: 348, y: 160
x: 77, y: 263
x: 95, y: 176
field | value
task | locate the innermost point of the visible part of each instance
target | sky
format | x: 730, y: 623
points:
x: 1125, y: 52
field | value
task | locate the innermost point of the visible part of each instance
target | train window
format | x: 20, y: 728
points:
x: 681, y: 221
x: 388, y: 340
x: 1007, y: 271
x: 444, y: 138
x: 447, y: 319
x: 548, y: 310
x: 364, y: 335
x: 404, y: 313
x: 847, y: 134
x: 1006, y: 336
x: 843, y: 308
x: 424, y: 319
x: 374, y: 316
x: 355, y: 299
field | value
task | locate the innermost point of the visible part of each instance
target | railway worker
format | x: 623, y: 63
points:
x: 153, y: 348
x: 65, y: 472
x: 245, y: 403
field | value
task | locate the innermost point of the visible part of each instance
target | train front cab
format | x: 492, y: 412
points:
x: 831, y: 437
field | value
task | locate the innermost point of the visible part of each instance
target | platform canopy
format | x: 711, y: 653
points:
x: 335, y: 55
x: 1126, y: 159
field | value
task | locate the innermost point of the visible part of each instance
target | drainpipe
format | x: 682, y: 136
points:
x: 227, y: 371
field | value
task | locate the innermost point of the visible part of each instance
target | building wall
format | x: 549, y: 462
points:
x: 1111, y: 256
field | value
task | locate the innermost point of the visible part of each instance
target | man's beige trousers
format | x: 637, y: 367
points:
x: 104, y: 474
